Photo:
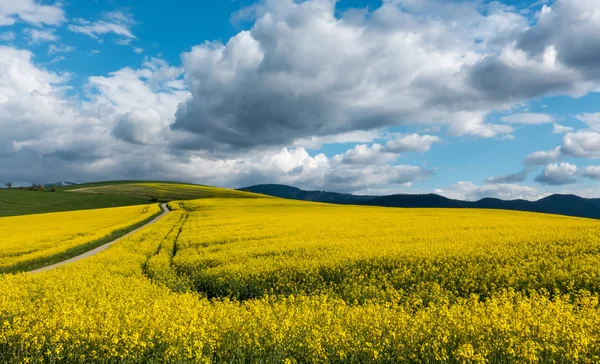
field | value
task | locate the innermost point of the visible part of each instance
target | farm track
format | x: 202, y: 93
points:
x: 101, y: 248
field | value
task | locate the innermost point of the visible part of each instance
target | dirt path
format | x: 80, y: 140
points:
x: 105, y: 246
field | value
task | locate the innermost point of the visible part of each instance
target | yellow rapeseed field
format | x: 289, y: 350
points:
x: 27, y: 239
x: 269, y: 280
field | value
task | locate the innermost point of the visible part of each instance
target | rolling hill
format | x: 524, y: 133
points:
x: 569, y: 205
x: 156, y: 191
x: 70, y: 197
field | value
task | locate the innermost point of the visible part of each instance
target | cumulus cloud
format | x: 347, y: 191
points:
x: 569, y: 28
x: 592, y: 120
x: 122, y: 131
x: 274, y: 83
x: 37, y: 36
x: 117, y: 23
x: 557, y: 55
x: 543, y: 157
x: 592, y: 172
x: 30, y: 11
x: 558, y: 174
x: 528, y: 118
x: 411, y: 143
x: 583, y: 144
x: 509, y: 178
x: 142, y: 102
x: 380, y: 154
x: 35, y: 119
x: 364, y: 154
x: 561, y: 129
x: 52, y: 134
x: 245, y: 111
x: 139, y: 127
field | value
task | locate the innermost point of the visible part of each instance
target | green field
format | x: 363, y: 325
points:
x: 157, y: 191
x: 14, y: 202
x: 121, y: 182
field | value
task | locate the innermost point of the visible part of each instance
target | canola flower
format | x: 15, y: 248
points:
x: 232, y: 248
x: 27, y: 239
x: 268, y: 280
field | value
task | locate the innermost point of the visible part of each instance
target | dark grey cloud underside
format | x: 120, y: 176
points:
x: 510, y: 178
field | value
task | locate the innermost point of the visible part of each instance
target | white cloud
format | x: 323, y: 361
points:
x: 558, y: 174
x: 121, y: 17
x: 381, y: 67
x: 100, y: 28
x: 366, y: 155
x: 297, y: 167
x: 58, y: 137
x: 140, y: 102
x: 32, y: 111
x: 47, y: 134
x: 358, y: 136
x: 565, y: 35
x: 58, y: 59
x: 37, y: 36
x: 378, y: 154
x: 30, y: 11
x: 555, y: 56
x: 117, y: 23
x: 543, y: 157
x: 60, y: 48
x: 592, y: 172
x: 279, y: 85
x: 583, y: 144
x: 7, y: 36
x: 528, y: 118
x: 561, y: 129
x: 411, y: 143
x: 510, y: 178
x: 231, y: 113
x: 138, y: 50
x: 591, y: 119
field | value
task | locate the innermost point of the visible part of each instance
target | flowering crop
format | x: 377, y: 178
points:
x: 31, y: 239
x: 270, y: 280
x: 231, y: 248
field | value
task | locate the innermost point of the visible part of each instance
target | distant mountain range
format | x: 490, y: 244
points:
x: 569, y: 205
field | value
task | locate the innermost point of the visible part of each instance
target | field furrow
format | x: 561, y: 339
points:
x: 269, y: 280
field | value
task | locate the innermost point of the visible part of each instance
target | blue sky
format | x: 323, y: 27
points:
x: 356, y: 96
